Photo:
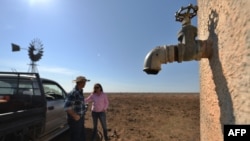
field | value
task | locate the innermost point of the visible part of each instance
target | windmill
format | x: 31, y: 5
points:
x: 35, y: 52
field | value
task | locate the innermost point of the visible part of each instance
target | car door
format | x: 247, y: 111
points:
x: 55, y: 116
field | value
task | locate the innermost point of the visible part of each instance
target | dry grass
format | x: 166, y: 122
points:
x: 151, y: 117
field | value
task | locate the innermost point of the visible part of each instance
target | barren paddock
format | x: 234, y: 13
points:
x: 151, y: 117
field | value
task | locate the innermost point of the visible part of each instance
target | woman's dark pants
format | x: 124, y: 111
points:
x: 102, y: 117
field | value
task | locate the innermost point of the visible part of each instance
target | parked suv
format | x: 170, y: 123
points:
x: 31, y: 108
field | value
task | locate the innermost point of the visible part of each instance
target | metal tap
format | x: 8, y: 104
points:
x: 187, y: 49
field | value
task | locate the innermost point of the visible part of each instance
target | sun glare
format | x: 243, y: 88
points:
x: 38, y: 2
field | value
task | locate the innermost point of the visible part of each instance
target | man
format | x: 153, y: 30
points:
x: 75, y: 108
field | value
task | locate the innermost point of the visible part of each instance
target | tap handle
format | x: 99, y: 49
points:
x: 185, y: 12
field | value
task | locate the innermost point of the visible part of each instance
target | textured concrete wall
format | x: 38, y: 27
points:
x: 225, y: 77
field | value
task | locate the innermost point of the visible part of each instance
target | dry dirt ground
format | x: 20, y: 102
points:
x: 150, y: 117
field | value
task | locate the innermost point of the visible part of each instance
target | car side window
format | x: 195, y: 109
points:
x: 6, y: 88
x: 27, y: 87
x: 24, y: 86
x: 19, y: 93
x: 53, y: 91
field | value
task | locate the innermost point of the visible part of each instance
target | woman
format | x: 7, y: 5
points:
x: 99, y: 107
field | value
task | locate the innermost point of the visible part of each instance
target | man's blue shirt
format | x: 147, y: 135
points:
x: 75, y: 101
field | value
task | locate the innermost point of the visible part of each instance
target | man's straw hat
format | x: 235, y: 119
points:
x: 80, y: 79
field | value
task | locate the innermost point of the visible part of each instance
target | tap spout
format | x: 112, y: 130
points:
x: 159, y: 55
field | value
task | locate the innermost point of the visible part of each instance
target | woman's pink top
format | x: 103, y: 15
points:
x: 100, y: 102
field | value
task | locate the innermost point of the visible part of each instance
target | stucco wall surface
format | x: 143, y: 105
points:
x: 225, y: 77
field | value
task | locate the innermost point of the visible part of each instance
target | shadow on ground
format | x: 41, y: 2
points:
x: 66, y: 137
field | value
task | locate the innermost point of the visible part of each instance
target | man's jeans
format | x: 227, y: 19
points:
x: 77, y: 129
x: 102, y: 117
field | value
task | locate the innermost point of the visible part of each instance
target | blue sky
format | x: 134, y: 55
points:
x: 104, y: 40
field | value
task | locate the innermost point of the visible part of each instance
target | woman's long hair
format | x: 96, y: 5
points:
x: 97, y: 85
